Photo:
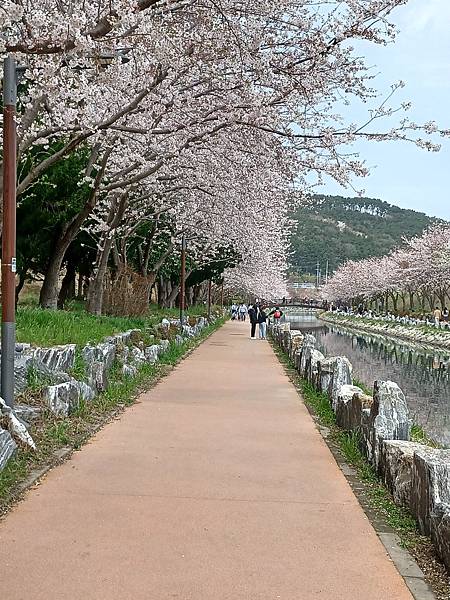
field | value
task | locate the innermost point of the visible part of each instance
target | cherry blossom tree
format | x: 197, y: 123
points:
x: 176, y: 102
x: 421, y: 267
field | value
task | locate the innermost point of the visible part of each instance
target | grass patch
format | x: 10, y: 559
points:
x: 366, y: 389
x: 319, y: 402
x: 36, y: 381
x: 379, y: 497
x: 76, y: 326
x: 419, y: 435
x: 79, y: 368
x: 53, y: 433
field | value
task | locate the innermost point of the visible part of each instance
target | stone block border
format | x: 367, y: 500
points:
x: 417, y: 476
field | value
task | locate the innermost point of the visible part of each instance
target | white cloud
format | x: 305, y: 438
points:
x: 421, y: 15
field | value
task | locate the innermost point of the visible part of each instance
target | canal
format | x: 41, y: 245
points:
x: 422, y: 373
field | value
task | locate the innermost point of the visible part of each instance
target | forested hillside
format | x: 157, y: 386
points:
x: 337, y: 229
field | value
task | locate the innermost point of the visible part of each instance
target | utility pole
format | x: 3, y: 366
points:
x: 326, y: 273
x: 8, y: 343
x: 221, y: 297
x: 317, y: 274
x: 182, y: 279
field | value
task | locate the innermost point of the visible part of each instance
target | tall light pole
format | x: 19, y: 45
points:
x: 8, y: 343
x: 182, y: 279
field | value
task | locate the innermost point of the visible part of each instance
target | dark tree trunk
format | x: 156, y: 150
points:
x: 67, y: 291
x: 80, y: 286
x: 48, y: 297
x: 95, y: 294
x: 21, y: 283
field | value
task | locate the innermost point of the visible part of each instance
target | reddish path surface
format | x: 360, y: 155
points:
x: 215, y: 486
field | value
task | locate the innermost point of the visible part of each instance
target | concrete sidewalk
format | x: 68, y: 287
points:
x: 215, y: 486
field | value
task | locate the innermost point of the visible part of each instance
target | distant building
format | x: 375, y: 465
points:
x: 296, y: 285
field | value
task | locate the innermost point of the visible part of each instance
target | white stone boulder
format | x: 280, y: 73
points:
x: 309, y: 344
x: 388, y: 419
x: 164, y: 345
x: 129, y: 371
x: 396, y: 468
x: 8, y: 447
x: 56, y: 358
x: 64, y: 398
x: 341, y: 375
x: 431, y: 484
x: 151, y: 353
x: 312, y: 365
x: 344, y: 407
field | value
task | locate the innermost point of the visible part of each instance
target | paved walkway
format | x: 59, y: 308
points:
x: 215, y: 486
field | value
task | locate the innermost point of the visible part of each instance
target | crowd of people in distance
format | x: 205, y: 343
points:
x: 440, y: 318
x: 239, y: 312
x: 258, y: 315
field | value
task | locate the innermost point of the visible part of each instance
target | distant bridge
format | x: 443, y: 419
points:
x: 300, y: 304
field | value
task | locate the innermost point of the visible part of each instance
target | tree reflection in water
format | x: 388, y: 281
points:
x: 422, y: 373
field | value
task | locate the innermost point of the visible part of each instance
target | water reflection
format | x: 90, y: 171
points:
x: 422, y: 373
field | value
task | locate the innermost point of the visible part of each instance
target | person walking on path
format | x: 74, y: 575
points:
x: 243, y: 312
x: 253, y: 316
x: 262, y: 322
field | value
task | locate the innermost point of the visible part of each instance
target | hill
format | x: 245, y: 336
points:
x: 337, y: 229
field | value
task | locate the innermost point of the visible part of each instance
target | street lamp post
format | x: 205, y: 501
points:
x: 182, y: 279
x: 8, y: 342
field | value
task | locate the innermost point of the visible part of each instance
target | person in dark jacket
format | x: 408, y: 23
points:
x: 262, y: 322
x: 253, y: 316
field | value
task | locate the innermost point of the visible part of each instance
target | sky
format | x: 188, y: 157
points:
x: 401, y: 173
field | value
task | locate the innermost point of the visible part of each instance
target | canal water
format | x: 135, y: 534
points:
x: 422, y: 373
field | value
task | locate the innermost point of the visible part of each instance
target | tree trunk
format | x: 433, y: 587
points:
x: 49, y: 291
x: 95, y: 293
x: 170, y: 300
x: 394, y: 298
x: 67, y: 291
x: 190, y: 296
x: 80, y: 286
x: 48, y: 297
x: 21, y: 283
x: 422, y: 301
